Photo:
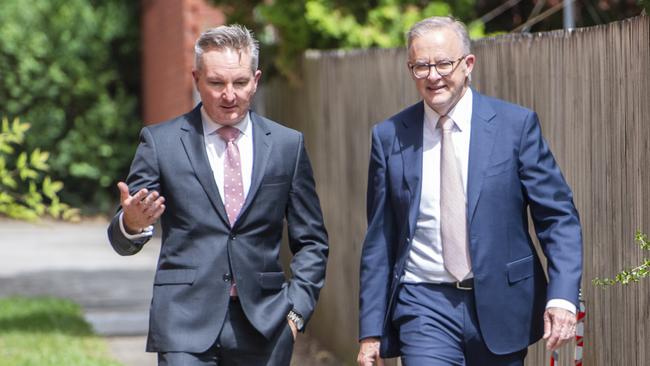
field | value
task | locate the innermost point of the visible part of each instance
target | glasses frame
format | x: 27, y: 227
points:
x: 435, y: 66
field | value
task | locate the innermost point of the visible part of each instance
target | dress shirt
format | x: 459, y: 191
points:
x: 425, y: 262
x: 215, y: 148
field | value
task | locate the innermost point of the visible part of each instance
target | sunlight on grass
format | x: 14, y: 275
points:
x: 48, y: 332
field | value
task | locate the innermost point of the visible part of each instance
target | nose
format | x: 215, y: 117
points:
x: 433, y: 74
x: 228, y: 93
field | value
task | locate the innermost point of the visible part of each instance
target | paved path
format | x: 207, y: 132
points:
x: 75, y: 261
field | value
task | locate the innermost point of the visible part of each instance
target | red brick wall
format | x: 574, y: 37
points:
x: 169, y: 30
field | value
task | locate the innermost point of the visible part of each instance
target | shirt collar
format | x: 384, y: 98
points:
x: 209, y: 125
x: 461, y: 114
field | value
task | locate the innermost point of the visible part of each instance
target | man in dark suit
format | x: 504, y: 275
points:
x: 222, y: 180
x: 449, y: 274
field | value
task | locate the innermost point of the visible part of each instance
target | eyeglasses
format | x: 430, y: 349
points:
x: 443, y: 68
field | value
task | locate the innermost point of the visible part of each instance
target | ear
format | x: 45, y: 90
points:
x: 256, y: 79
x: 195, y: 76
x: 470, y: 59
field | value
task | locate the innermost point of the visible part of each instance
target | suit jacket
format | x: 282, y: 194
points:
x: 192, y: 281
x: 511, y: 170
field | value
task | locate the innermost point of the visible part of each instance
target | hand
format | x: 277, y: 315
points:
x: 559, y: 327
x: 369, y: 353
x: 294, y: 329
x: 140, y: 210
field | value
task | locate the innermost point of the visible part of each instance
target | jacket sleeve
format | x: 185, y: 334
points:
x: 377, y: 254
x: 144, y: 173
x: 554, y: 215
x: 307, y: 237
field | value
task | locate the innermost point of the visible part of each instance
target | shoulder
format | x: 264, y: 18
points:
x: 503, y: 109
x: 410, y: 115
x: 275, y: 129
x: 175, y: 124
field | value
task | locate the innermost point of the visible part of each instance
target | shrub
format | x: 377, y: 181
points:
x: 70, y: 68
x: 26, y: 193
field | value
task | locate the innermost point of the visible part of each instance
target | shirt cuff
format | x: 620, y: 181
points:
x: 561, y: 303
x: 147, y: 232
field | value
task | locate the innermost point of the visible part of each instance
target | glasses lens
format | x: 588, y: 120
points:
x: 421, y: 70
x: 444, y: 68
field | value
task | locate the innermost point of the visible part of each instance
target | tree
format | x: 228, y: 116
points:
x: 70, y: 68
x: 286, y: 28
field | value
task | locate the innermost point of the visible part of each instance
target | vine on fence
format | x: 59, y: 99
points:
x: 635, y: 274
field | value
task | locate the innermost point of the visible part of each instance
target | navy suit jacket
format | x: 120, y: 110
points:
x: 192, y: 281
x: 511, y: 170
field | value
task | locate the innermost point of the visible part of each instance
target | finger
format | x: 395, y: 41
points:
x: 380, y: 361
x: 150, y: 198
x: 124, y: 191
x: 156, y: 215
x: 139, y: 196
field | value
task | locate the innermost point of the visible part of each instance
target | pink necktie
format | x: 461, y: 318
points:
x: 233, y: 188
x: 453, y: 215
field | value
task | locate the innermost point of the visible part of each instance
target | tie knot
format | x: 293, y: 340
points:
x: 445, y: 123
x: 228, y: 133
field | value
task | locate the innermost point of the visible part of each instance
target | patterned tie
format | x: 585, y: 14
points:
x: 453, y: 216
x: 233, y: 189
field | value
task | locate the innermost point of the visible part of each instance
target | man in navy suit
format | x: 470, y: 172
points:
x: 223, y: 180
x: 449, y: 274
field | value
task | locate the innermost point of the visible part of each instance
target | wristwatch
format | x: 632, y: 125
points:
x: 296, y: 319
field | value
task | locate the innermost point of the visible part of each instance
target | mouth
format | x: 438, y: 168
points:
x: 228, y: 107
x: 436, y: 88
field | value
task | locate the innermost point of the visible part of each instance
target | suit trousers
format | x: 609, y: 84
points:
x: 239, y: 344
x: 438, y: 326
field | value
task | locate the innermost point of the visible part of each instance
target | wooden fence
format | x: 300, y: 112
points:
x: 591, y: 89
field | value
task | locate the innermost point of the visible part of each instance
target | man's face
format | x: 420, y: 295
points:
x: 439, y: 45
x: 226, y: 84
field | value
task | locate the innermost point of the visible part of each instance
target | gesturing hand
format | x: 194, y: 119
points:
x: 559, y: 327
x: 140, y: 210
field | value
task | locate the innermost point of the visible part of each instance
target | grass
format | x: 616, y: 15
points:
x: 48, y: 332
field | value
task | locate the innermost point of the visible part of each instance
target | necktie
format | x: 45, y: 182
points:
x: 453, y: 215
x: 233, y: 189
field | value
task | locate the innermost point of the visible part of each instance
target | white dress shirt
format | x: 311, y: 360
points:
x: 215, y: 148
x: 425, y: 262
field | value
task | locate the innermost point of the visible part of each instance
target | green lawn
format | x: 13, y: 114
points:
x: 48, y: 332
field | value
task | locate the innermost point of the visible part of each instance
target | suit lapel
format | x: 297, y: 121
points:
x: 194, y: 145
x: 409, y: 134
x: 480, y: 148
x: 261, y: 148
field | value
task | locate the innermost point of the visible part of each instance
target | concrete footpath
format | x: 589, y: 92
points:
x: 75, y: 261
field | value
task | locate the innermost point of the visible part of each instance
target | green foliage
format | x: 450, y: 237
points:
x: 70, y: 68
x: 289, y: 27
x: 48, y: 332
x: 26, y: 193
x: 635, y: 274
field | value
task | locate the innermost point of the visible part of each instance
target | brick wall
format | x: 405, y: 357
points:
x: 169, y: 30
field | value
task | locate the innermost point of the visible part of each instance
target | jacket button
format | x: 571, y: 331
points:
x: 227, y: 277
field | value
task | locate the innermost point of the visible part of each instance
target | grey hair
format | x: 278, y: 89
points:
x: 234, y: 37
x: 429, y: 24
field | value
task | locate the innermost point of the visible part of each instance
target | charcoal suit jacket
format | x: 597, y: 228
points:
x: 201, y: 251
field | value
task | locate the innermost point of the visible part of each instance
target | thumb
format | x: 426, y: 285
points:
x: 124, y: 191
x: 547, y: 324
